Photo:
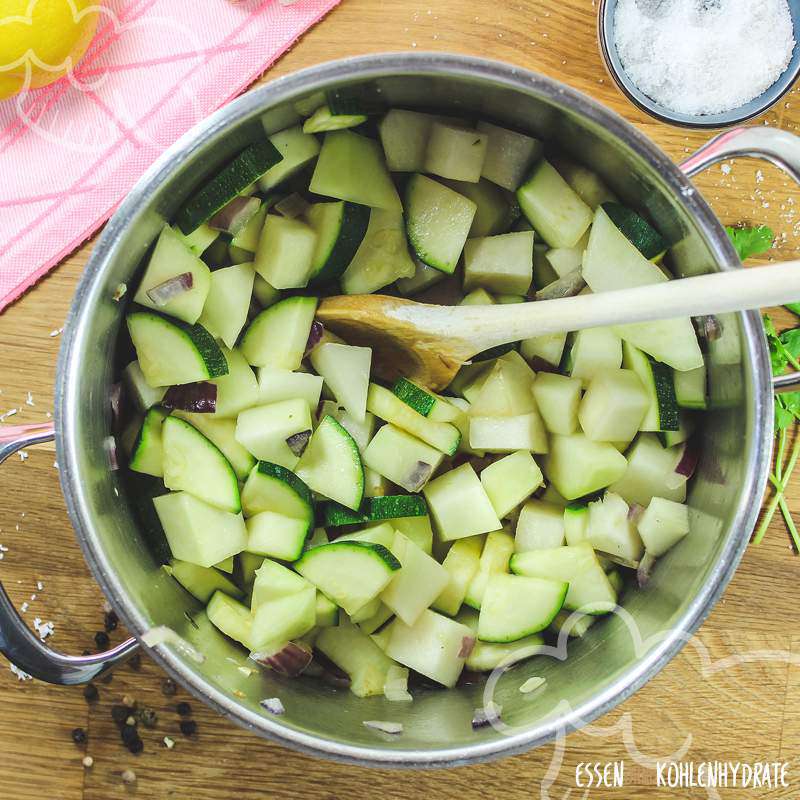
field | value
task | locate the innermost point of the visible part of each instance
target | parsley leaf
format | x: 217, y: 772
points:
x: 751, y: 241
x: 794, y: 308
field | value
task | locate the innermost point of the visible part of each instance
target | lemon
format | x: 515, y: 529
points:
x: 43, y: 39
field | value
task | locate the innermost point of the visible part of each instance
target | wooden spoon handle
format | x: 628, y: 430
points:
x: 735, y: 290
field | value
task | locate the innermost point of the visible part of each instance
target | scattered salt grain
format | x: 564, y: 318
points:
x: 23, y: 608
x: 44, y: 629
x: 20, y: 673
x: 39, y: 585
x: 29, y: 399
x: 703, y: 56
x: 10, y: 413
x: 55, y: 332
x: 531, y: 685
x: 726, y: 169
x: 23, y: 456
x: 169, y: 743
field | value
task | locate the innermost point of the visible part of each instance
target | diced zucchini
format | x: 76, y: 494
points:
x: 587, y: 184
x: 276, y: 536
x: 201, y: 582
x: 226, y: 565
x: 147, y: 453
x: 297, y: 148
x: 246, y: 168
x: 593, y: 352
x: 549, y: 348
x: 455, y: 152
x: 350, y: 573
x: 612, y: 532
x: 671, y: 341
x: 500, y: 263
x: 507, y: 434
x: 514, y: 607
x: 375, y: 509
x: 657, y: 380
x: 323, y: 120
x: 573, y: 624
x: 236, y: 390
x: 231, y: 617
x: 423, y: 278
x: 459, y: 504
x: 511, y: 480
x: 277, y: 336
x: 438, y: 221
x: 564, y: 260
x: 540, y: 526
x: 494, y: 560
x: 247, y: 238
x: 687, y: 423
x: 331, y: 464
x: 352, y: 167
x: 404, y: 136
x: 433, y: 646
x: 614, y: 406
x: 662, y: 525
x: 402, y: 458
x: 417, y: 529
x: 461, y: 564
x: 285, y: 254
x: 417, y: 584
x: 225, y: 311
x: 198, y: 532
x: 488, y: 656
x: 477, y: 297
x: 577, y: 466
x: 282, y: 619
x: 271, y: 487
x: 647, y: 240
x: 650, y: 473
x: 275, y: 385
x: 552, y: 207
x: 558, y: 398
x: 264, y: 430
x: 340, y: 228
x: 388, y: 407
x: 345, y: 369
x: 690, y: 388
x: 509, y: 155
x: 362, y: 432
x: 382, y: 534
x: 425, y: 402
x: 273, y: 580
x: 327, y: 612
x: 496, y: 209
x: 171, y: 258
x: 576, y: 522
x: 171, y: 352
x: 139, y: 390
x: 265, y: 294
x: 192, y: 463
x: 505, y: 391
x: 589, y: 589
x: 200, y: 239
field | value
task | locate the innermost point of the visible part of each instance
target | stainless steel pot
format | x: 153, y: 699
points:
x: 611, y: 661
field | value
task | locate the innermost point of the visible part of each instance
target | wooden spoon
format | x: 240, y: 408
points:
x: 428, y: 343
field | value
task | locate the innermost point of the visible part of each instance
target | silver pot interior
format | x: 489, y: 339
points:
x: 610, y: 661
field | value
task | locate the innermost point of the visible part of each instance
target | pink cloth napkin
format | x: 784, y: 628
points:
x: 71, y: 151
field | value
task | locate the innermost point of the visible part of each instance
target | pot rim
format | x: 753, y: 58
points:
x: 67, y: 398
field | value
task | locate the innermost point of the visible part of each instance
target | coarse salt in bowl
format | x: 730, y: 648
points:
x: 688, y: 88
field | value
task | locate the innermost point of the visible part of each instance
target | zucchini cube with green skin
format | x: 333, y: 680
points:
x: 147, y: 453
x: 351, y: 573
x: 263, y: 430
x: 593, y: 352
x: 614, y: 406
x: 540, y: 525
x: 507, y: 434
x: 662, y: 525
x: 340, y: 227
x: 488, y: 656
x: 496, y: 210
x: 650, y: 472
x: 201, y: 582
x: 514, y: 607
x: 402, y: 458
x: 662, y: 412
x: 354, y: 652
x: 558, y: 398
x: 577, y: 466
x: 690, y: 388
x: 461, y: 564
x: 509, y: 155
x: 576, y: 522
x: 285, y: 253
x: 502, y: 263
x: 459, y: 504
x: 228, y: 301
x: 416, y: 584
x: 552, y: 207
x: 404, y: 136
x: 231, y: 618
x: 238, y: 389
x: 390, y: 408
x: 198, y: 532
x: 281, y: 619
x: 382, y: 534
x: 200, y: 239
x: 277, y: 336
x: 432, y: 646
x: 171, y: 258
x: 362, y: 432
x: 271, y: 487
x: 345, y: 369
x: 297, y: 148
x: 276, y: 536
x: 222, y: 433
x: 612, y: 532
x: 510, y: 480
x: 275, y: 385
x: 455, y: 152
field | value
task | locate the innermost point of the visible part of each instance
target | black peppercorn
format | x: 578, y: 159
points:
x: 168, y: 687
x: 101, y: 640
x: 184, y: 709
x: 135, y: 745
x: 129, y: 734
x: 119, y: 714
x: 188, y: 727
x: 147, y: 717
x: 79, y: 736
x: 90, y: 693
x: 110, y: 621
x: 135, y: 662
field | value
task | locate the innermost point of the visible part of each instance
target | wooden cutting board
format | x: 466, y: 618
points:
x: 740, y: 713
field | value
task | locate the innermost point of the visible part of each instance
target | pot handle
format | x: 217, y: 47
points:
x: 769, y: 144
x: 18, y: 643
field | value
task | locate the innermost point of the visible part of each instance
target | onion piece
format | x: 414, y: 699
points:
x: 314, y: 336
x: 635, y: 512
x: 467, y: 643
x: 273, y: 705
x: 200, y: 397
x: 687, y: 463
x: 531, y: 685
x: 291, y: 206
x: 487, y: 715
x: 567, y: 286
x: 298, y: 442
x: 645, y: 569
x: 708, y: 327
x: 395, y: 688
x: 291, y: 659
x: 392, y: 728
x: 110, y: 446
x: 418, y: 476
x: 163, y: 292
x: 232, y: 217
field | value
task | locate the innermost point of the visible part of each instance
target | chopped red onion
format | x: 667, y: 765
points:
x: 486, y: 716
x: 467, y: 643
x: 290, y: 660
x: 567, y: 286
x: 232, y: 217
x: 291, y: 206
x: 200, y: 398
x: 162, y: 293
x: 273, y: 705
x: 393, y: 728
x: 635, y: 512
x: 110, y: 446
x: 298, y: 442
x: 688, y: 461
x: 645, y: 569
x: 538, y: 364
x: 418, y: 476
x: 314, y: 336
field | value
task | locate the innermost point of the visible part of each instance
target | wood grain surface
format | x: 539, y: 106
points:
x: 745, y: 712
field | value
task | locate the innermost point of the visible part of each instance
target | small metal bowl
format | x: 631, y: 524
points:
x: 725, y: 119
